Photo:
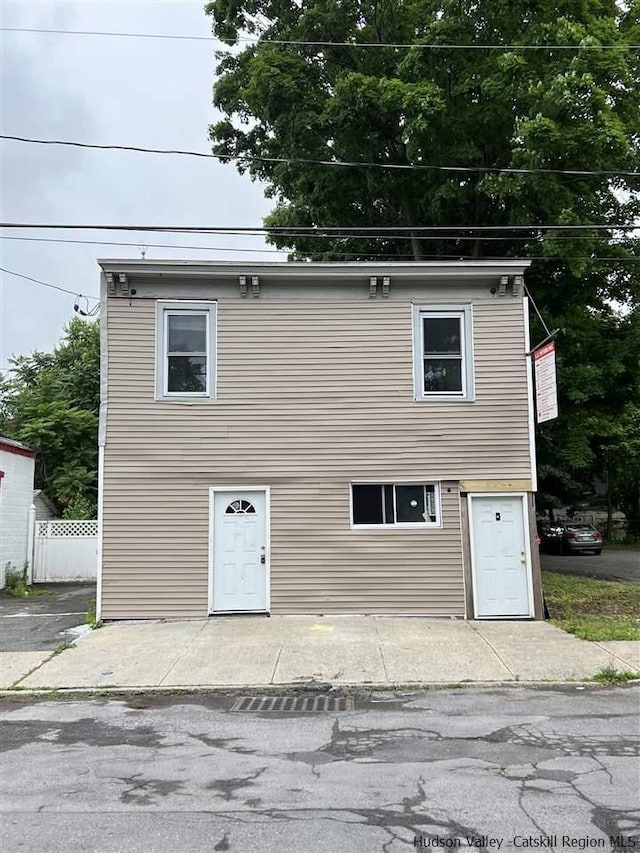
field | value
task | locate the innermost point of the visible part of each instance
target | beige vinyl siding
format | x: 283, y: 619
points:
x: 311, y: 395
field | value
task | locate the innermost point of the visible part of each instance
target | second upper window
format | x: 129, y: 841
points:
x: 443, y: 354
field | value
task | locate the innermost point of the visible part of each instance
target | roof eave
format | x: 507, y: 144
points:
x: 467, y: 269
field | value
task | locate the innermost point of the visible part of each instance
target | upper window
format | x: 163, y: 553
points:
x: 186, y: 350
x: 398, y: 504
x: 443, y: 354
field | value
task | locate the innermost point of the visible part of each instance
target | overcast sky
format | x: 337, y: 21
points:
x: 143, y: 92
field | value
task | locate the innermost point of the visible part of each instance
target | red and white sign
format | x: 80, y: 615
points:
x: 544, y: 360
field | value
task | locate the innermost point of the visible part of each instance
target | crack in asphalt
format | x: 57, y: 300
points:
x: 227, y: 788
x: 144, y: 792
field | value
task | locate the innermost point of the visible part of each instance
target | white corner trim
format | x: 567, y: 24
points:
x: 529, y: 367
x: 102, y: 433
x: 100, y: 529
x: 462, y: 554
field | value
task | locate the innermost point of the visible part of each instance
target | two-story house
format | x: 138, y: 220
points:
x: 301, y: 438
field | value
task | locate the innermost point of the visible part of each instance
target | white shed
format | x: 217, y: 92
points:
x: 17, y: 463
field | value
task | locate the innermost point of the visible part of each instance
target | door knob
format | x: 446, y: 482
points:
x: 263, y: 559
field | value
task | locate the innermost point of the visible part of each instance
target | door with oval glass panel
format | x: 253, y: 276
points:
x: 239, y: 570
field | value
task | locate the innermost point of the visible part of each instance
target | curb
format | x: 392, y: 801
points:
x: 275, y: 689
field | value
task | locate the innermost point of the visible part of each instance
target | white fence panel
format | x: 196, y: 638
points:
x: 65, y: 551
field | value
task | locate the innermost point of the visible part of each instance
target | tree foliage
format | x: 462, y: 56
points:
x: 513, y: 108
x: 547, y: 108
x: 50, y: 401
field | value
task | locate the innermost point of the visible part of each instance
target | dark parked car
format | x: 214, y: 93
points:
x: 570, y: 538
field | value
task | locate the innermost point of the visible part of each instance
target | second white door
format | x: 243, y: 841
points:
x: 501, y: 568
x: 239, y: 552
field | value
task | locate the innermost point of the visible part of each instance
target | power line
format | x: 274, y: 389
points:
x: 47, y: 284
x: 319, y: 162
x: 435, y: 257
x: 334, y: 231
x: 243, y: 250
x: 142, y: 246
x: 353, y: 44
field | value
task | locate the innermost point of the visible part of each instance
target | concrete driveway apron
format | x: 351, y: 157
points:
x: 32, y: 627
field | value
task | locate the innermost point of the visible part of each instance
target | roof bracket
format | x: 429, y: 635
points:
x: 255, y: 285
x: 504, y: 281
x: 373, y: 286
x: 518, y: 283
x: 111, y: 283
x: 242, y: 281
x: 386, y: 281
x: 124, y: 283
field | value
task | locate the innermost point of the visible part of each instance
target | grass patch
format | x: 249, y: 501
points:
x: 90, y: 618
x: 610, y: 675
x: 16, y: 586
x: 593, y: 609
x: 37, y: 592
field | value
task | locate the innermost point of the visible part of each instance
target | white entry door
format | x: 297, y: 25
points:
x: 501, y: 571
x: 239, y: 551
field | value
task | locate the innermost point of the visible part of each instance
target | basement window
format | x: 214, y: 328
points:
x: 401, y: 504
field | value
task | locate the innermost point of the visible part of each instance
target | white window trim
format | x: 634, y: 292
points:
x: 401, y: 525
x: 465, y: 314
x: 164, y: 309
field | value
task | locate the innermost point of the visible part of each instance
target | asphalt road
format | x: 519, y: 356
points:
x: 41, y: 622
x: 611, y: 564
x: 491, y: 769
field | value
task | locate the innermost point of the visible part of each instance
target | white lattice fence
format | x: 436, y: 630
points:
x: 65, y: 551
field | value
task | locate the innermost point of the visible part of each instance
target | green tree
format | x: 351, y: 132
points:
x: 570, y: 104
x: 50, y: 401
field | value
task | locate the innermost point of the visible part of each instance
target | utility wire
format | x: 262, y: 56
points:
x: 241, y: 158
x: 535, y: 308
x: 47, y: 284
x: 565, y: 238
x: 143, y: 246
x: 334, y: 231
x: 305, y: 43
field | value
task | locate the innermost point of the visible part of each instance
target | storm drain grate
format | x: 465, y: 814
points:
x: 284, y: 704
